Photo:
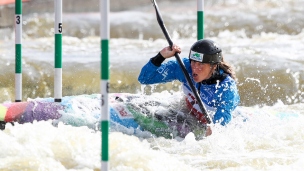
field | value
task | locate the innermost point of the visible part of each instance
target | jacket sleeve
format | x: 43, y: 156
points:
x: 166, y: 72
x: 228, y: 99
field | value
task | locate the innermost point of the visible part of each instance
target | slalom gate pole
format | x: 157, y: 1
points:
x: 200, y: 19
x: 58, y: 51
x: 104, y: 34
x: 18, y: 50
x: 181, y: 64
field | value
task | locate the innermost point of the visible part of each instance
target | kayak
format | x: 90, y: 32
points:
x: 129, y: 113
x: 133, y: 114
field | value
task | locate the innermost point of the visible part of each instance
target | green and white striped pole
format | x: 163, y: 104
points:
x: 58, y: 51
x: 18, y: 51
x: 200, y: 19
x: 104, y: 34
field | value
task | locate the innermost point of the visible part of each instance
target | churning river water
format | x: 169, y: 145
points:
x: 263, y: 40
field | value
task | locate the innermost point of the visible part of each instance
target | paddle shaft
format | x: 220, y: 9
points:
x: 197, y: 97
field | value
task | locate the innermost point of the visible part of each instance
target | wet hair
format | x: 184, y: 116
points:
x: 228, y: 69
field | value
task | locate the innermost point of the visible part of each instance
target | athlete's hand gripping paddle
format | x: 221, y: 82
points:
x: 197, y: 97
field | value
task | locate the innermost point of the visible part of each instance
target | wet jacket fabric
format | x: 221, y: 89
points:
x: 220, y: 98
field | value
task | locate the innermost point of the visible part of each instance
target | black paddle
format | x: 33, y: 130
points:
x: 197, y: 97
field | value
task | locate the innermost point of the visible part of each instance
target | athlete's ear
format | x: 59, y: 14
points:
x: 213, y: 67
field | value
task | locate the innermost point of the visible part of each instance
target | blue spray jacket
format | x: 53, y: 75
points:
x: 219, y: 99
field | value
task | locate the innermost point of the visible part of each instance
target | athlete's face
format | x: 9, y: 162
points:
x: 201, y: 71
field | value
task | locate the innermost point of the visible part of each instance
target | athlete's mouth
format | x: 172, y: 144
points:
x: 194, y: 75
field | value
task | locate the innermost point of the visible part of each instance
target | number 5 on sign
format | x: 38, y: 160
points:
x: 60, y: 27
